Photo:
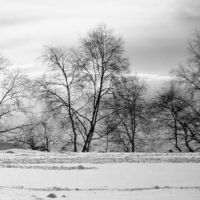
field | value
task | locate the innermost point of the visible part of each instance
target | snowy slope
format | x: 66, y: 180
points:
x: 34, y: 175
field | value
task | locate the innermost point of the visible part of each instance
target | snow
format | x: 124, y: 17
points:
x: 15, y: 194
x: 114, y: 176
x: 120, y: 176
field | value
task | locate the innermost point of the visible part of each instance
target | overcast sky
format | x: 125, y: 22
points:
x: 156, y: 32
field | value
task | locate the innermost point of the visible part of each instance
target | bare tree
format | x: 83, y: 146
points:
x: 12, y: 86
x: 129, y: 111
x: 167, y: 110
x: 80, y: 79
x: 188, y: 74
x: 101, y: 58
x: 175, y: 112
x: 58, y: 85
x: 40, y: 132
x: 188, y: 77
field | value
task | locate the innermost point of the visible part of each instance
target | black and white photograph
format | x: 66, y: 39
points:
x: 100, y: 99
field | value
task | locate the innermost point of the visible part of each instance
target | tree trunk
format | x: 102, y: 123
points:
x: 176, y: 136
x: 107, y: 143
x: 86, y: 147
x: 73, y: 129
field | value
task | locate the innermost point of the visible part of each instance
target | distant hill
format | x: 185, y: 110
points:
x: 6, y: 145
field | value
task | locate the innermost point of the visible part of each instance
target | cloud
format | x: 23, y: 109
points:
x: 13, y: 20
x: 187, y: 11
x: 154, y: 82
x: 189, y: 15
x: 155, y: 77
x: 155, y: 31
x: 161, y: 44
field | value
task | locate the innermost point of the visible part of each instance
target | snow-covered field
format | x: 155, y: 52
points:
x: 32, y: 175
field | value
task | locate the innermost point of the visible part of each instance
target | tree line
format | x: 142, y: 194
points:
x: 87, y: 100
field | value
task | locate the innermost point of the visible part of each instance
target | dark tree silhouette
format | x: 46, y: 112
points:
x: 80, y: 79
x: 129, y: 111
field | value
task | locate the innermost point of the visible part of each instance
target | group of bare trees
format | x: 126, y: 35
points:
x: 79, y: 80
x: 129, y: 115
x: 12, y: 85
x: 88, y: 101
x: 177, y: 107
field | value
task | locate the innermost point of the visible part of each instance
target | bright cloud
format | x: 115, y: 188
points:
x: 155, y: 31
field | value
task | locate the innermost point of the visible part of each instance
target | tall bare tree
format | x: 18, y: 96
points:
x: 101, y: 58
x: 188, y: 77
x: 79, y: 80
x: 58, y: 85
x: 129, y: 111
